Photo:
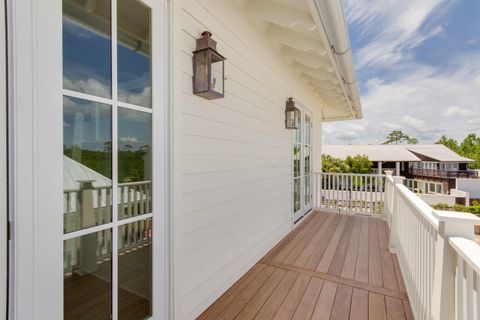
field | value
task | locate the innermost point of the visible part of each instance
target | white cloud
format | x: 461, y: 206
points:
x: 415, y: 124
x: 393, y: 27
x: 130, y: 140
x: 477, y: 80
x: 475, y: 121
x: 356, y: 127
x: 347, y: 136
x: 390, y: 126
x: 424, y: 103
x: 456, y: 111
x: 141, y: 99
x: 89, y: 86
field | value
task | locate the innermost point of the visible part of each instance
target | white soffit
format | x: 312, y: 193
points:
x: 304, y: 43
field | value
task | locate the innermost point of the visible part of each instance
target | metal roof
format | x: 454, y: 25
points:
x: 396, y: 152
x: 438, y: 152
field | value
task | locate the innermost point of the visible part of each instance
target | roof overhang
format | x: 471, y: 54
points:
x: 312, y: 36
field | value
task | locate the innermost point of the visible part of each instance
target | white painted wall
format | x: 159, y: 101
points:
x: 434, y: 199
x: 232, y: 156
x: 461, y: 194
x: 472, y: 186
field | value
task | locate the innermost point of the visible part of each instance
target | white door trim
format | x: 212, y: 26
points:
x: 35, y: 138
x: 3, y: 168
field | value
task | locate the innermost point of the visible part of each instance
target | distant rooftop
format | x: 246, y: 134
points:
x: 396, y: 152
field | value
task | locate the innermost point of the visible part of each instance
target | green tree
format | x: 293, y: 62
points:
x: 358, y: 164
x: 449, y: 143
x: 469, y: 148
x: 412, y: 140
x: 397, y: 136
x: 331, y: 164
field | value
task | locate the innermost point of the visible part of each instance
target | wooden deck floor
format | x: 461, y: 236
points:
x: 333, y: 266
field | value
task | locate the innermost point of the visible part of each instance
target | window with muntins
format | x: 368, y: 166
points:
x: 107, y: 159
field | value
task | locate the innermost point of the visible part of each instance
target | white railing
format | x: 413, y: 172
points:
x: 413, y: 234
x: 467, y: 279
x: 437, y: 255
x: 349, y: 192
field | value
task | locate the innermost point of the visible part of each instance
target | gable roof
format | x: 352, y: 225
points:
x: 437, y: 152
x: 396, y: 152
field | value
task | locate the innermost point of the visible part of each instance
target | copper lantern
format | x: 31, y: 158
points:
x: 292, y: 115
x: 208, y: 69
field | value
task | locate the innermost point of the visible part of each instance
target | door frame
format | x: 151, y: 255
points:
x: 35, y: 155
x: 3, y: 169
x: 299, y: 214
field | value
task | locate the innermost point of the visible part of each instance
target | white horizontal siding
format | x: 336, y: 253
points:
x: 232, y: 156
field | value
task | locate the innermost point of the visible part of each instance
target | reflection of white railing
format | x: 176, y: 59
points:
x: 89, y: 206
x: 131, y: 237
x: 437, y: 255
x: 349, y: 192
x: 134, y: 198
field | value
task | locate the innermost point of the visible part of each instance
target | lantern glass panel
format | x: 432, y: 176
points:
x: 290, y: 119
x: 297, y: 118
x: 201, y: 71
x: 216, y: 76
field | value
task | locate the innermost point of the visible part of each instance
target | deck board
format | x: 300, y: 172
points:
x: 333, y: 266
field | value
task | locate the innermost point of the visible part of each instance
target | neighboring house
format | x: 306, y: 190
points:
x: 171, y: 197
x: 434, y: 162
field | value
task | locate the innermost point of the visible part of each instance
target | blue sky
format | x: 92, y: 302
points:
x: 418, y: 67
x: 87, y: 68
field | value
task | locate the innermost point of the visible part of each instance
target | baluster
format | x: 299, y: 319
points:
x: 148, y: 188
x: 136, y: 195
x: 459, y: 294
x: 141, y: 192
x: 469, y: 294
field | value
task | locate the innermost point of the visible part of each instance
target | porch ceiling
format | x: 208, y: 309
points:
x: 297, y: 30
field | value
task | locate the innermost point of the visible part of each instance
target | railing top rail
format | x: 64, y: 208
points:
x: 389, y: 177
x: 422, y: 206
x: 125, y: 184
x: 469, y: 250
x: 350, y: 174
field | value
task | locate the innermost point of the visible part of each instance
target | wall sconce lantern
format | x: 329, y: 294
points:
x: 208, y: 69
x: 292, y: 115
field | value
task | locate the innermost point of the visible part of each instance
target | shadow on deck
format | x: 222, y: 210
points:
x: 332, y: 266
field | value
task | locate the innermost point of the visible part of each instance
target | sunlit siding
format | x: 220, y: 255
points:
x: 232, y: 157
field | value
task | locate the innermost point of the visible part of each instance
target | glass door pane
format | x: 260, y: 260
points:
x: 302, y: 168
x: 307, y: 162
x: 107, y: 138
x: 297, y: 170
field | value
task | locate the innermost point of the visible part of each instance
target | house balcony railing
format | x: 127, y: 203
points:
x: 438, y: 256
x: 445, y: 174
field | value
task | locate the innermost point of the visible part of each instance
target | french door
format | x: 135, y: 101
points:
x: 87, y: 159
x: 111, y: 192
x: 302, y: 167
